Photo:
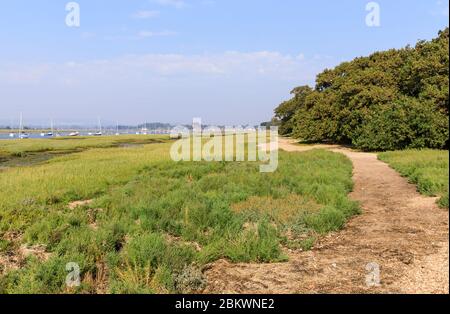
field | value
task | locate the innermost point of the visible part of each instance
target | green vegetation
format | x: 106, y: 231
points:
x: 152, y: 223
x: 391, y: 100
x: 428, y: 169
x: 30, y: 152
x: 70, y: 144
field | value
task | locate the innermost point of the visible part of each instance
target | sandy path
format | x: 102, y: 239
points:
x: 401, y: 232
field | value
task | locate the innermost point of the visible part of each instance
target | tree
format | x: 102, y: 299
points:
x: 286, y: 111
x: 389, y: 100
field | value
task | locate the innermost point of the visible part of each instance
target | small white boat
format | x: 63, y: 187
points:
x: 11, y: 134
x: 74, y: 134
x: 99, y: 132
x: 24, y: 136
x: 42, y: 134
x: 50, y: 134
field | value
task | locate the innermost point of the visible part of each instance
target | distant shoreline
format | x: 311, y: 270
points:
x: 2, y: 131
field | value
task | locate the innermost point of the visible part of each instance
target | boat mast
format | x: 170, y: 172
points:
x: 20, y: 125
x: 99, y: 125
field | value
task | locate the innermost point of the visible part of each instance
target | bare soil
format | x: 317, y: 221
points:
x: 401, y: 234
x: 76, y: 204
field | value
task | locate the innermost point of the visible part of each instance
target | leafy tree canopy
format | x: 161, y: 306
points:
x: 389, y: 100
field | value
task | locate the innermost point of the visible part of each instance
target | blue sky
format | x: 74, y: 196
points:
x: 227, y: 61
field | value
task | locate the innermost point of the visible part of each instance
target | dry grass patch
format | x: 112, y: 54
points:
x: 280, y: 210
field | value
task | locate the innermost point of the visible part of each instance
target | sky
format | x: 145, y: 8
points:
x: 225, y: 61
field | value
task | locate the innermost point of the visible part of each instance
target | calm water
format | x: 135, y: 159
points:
x: 5, y: 136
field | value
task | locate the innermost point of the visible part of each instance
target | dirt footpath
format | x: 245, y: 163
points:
x: 401, y: 238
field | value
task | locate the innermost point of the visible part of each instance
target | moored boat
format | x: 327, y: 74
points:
x: 24, y: 135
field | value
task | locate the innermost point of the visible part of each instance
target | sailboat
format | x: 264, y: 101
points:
x: 144, y: 130
x: 99, y: 133
x: 50, y: 134
x: 22, y: 134
x: 11, y: 134
x: 51, y: 129
x: 117, y: 129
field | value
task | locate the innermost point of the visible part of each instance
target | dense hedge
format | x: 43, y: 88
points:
x: 390, y: 100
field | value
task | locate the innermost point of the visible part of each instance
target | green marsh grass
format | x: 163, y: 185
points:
x: 427, y: 168
x: 21, y: 147
x: 154, y: 223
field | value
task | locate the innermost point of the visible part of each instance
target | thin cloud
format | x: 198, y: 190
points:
x: 178, y: 4
x: 147, y: 34
x: 442, y: 8
x: 87, y: 35
x: 142, y: 15
x: 231, y: 64
x: 214, y: 86
x: 208, y: 2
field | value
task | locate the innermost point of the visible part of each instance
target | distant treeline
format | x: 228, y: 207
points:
x: 150, y: 126
x: 394, y: 99
x: 156, y: 125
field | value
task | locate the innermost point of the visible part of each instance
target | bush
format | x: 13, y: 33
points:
x: 407, y: 123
